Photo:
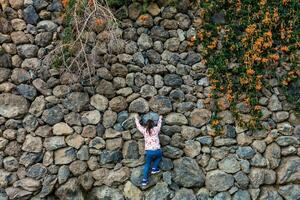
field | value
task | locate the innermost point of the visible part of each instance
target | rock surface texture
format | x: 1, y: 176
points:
x: 62, y: 137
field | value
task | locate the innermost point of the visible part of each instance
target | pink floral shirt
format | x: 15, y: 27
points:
x: 152, y: 139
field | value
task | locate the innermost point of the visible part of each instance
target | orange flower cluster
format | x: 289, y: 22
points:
x: 258, y: 83
x: 99, y: 22
x: 213, y: 44
x: 215, y: 122
x: 65, y: 3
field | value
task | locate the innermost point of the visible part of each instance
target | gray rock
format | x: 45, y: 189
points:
x: 53, y: 115
x: 70, y: 190
x: 166, y: 164
x: 4, y: 74
x: 10, y: 164
x: 63, y: 174
x: 242, y: 180
x: 12, y: 105
x: 139, y: 105
x: 55, y: 142
x: 229, y: 165
x: 148, y: 91
x: 242, y: 195
x: 73, y: 119
x: 160, y: 191
x: 78, y: 167
x: 27, y: 50
x: 105, y: 192
x: 256, y: 177
x: 287, y: 140
x: 20, y: 75
x: 130, y: 150
x: 290, y: 192
x: 218, y: 180
x: 187, y: 173
x: 43, y: 39
x: 200, y: 117
x: 47, y: 186
x: 274, y: 103
x: 32, y: 144
x: 221, y: 141
x: 172, y: 152
x: 83, y: 153
x: 160, y: 104
x: 109, y: 118
x: 110, y: 157
x: 30, y: 15
x: 172, y: 44
x: 27, y: 91
x: 144, y: 42
x: 159, y: 33
x: 289, y: 170
x: 184, y: 194
x: 86, y: 181
x: 258, y: 161
x: 28, y: 158
x: 47, y: 25
x: 106, y: 89
x: 40, y: 4
x: 37, y: 171
x: 222, y: 196
x: 203, y: 194
x: 173, y: 80
x: 245, y: 152
x: 273, y: 155
x: 205, y: 140
x: 76, y: 101
x: 64, y: 155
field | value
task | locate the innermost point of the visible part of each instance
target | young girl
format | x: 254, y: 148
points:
x: 152, y: 146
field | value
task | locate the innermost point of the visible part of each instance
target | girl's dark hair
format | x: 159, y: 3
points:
x: 149, y: 125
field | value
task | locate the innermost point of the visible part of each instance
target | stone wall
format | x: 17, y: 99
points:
x: 62, y: 137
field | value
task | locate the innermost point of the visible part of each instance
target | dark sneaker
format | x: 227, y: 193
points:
x: 155, y: 171
x: 145, y: 182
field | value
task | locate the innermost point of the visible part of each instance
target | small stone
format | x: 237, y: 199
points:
x: 78, y: 167
x: 172, y: 152
x: 10, y: 164
x: 47, y: 25
x: 287, y: 140
x: 280, y: 116
x: 256, y: 177
x: 55, y: 142
x: 160, y: 104
x: 12, y: 105
x: 63, y: 174
x: 176, y: 119
x: 245, y: 152
x: 70, y: 190
x: 30, y: 15
x: 64, y: 155
x: 28, y: 184
x: 172, y: 44
x: 242, y: 195
x: 173, y: 80
x: 288, y: 171
x: 91, y: 117
x: 75, y: 140
x: 274, y: 103
x: 110, y: 157
x: 229, y: 165
x: 118, y: 104
x: 76, y: 101
x: 32, y: 144
x: 218, y: 180
x: 184, y: 194
x: 192, y: 148
x: 200, y: 117
x: 273, y: 155
x: 132, y: 192
x: 160, y: 191
x: 144, y: 42
x: 188, y: 173
x: 53, y: 115
x: 139, y: 105
x: 290, y: 192
x: 242, y: 180
x: 62, y: 129
x: 105, y: 192
x: 37, y: 171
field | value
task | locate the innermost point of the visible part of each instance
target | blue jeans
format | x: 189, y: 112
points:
x: 152, y: 155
